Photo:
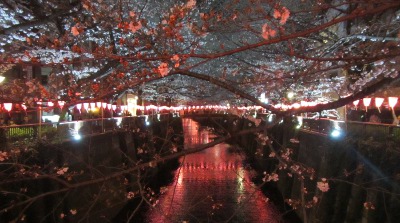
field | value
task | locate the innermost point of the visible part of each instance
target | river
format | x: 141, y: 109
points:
x: 211, y: 186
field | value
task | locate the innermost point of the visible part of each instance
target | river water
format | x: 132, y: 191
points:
x: 211, y: 186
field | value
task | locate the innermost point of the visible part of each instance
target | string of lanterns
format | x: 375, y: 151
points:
x: 392, y: 101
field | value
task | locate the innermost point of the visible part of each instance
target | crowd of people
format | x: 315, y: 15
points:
x: 10, y: 121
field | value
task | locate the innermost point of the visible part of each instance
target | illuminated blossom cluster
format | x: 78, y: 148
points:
x: 282, y: 14
x: 323, y: 185
x: 294, y: 203
x: 72, y: 211
x: 135, y: 26
x: 163, y: 69
x: 286, y: 154
x: 270, y: 177
x: 3, y: 156
x: 62, y: 171
x: 176, y: 60
x: 263, y: 139
x: 130, y: 195
x: 191, y: 3
x: 369, y: 206
x: 267, y: 32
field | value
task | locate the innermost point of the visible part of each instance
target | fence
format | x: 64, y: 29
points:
x: 74, y: 129
x: 356, y: 129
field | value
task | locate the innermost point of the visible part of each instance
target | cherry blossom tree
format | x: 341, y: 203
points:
x: 197, y: 52
x: 100, y: 49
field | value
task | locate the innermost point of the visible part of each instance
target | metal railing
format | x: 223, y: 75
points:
x: 357, y: 129
x: 73, y: 129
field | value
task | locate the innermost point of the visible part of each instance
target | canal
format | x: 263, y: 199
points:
x: 211, y: 186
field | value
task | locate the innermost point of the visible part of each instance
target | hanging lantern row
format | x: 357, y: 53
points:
x: 392, y: 101
x: 8, y: 106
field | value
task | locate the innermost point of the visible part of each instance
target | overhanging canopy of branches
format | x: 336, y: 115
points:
x: 200, y: 51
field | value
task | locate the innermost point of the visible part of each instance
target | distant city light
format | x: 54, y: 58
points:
x: 290, y: 95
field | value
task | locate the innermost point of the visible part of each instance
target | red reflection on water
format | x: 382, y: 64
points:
x: 211, y: 186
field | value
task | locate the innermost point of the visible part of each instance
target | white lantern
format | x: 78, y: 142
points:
x: 366, y: 102
x: 392, y: 101
x: 7, y: 106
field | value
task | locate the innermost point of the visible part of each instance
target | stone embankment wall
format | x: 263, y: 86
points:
x: 94, y: 162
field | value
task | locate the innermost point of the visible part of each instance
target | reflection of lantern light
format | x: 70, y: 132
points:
x: 392, y: 101
x: 7, y: 106
x: 355, y: 103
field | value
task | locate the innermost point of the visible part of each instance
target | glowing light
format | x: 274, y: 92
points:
x: 290, y: 95
x: 366, y: 101
x: 79, y: 106
x: 109, y: 106
x: 378, y: 103
x: 92, y: 105
x: 86, y: 106
x: 7, y: 106
x: 392, y: 101
x: 114, y: 107
x: 2, y: 79
x: 355, y: 103
x: 104, y: 105
x: 336, y: 133
x: 98, y: 104
x: 50, y: 104
x: 77, y: 137
x: 61, y: 104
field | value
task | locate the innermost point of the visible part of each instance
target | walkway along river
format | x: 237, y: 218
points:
x: 211, y: 186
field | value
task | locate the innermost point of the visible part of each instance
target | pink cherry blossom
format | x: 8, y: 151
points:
x: 3, y: 156
x: 135, y: 26
x: 74, y: 31
x: 323, y: 185
x: 163, y: 69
